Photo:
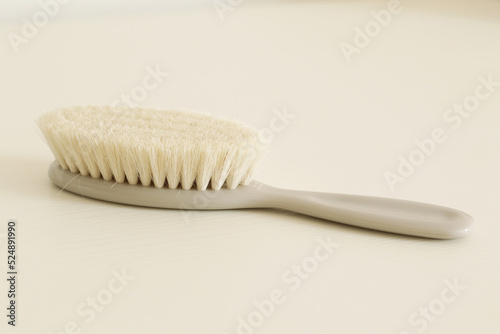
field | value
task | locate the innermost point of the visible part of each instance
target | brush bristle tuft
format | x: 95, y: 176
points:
x: 152, y: 146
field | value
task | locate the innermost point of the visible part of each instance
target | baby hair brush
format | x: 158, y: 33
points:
x: 104, y: 152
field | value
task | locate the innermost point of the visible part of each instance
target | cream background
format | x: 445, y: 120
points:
x: 353, y: 120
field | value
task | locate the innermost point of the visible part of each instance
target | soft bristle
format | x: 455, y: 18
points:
x: 165, y: 148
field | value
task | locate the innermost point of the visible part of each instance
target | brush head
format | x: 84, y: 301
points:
x: 152, y: 146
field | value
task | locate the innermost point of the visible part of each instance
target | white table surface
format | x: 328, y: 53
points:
x: 203, y: 272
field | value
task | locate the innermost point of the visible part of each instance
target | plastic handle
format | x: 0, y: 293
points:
x: 384, y: 214
x: 377, y: 213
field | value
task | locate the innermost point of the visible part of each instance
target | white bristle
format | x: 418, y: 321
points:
x: 152, y: 146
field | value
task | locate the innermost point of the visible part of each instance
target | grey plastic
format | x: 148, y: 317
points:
x: 383, y: 214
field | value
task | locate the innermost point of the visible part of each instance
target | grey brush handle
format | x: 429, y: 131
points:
x: 383, y: 214
x: 377, y: 213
